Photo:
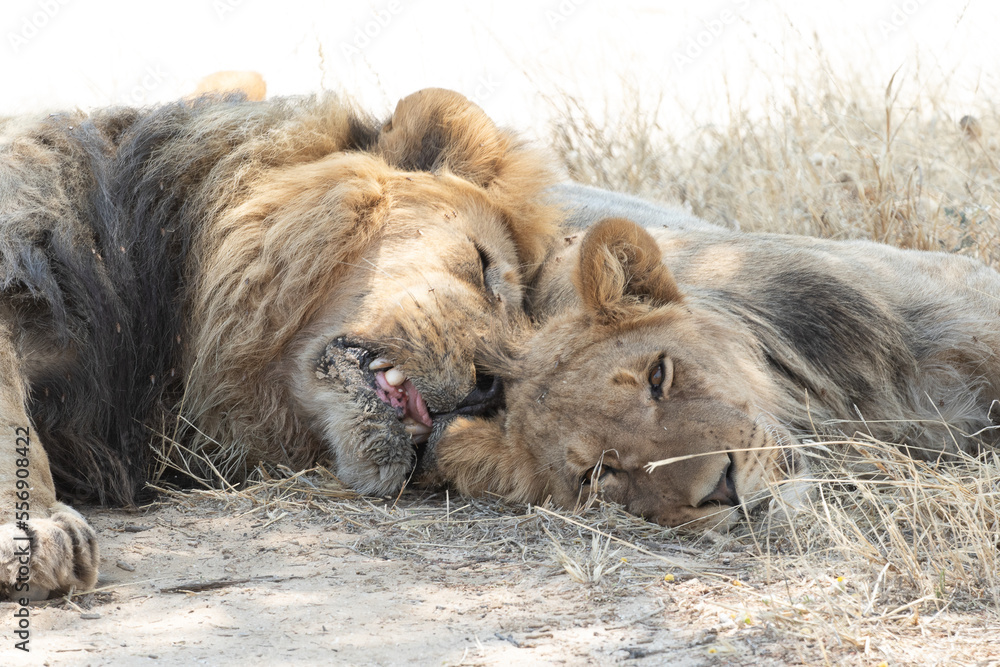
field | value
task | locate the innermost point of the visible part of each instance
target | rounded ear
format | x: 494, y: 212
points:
x: 436, y: 128
x: 621, y: 272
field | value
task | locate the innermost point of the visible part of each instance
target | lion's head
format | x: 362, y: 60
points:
x: 342, y: 300
x: 633, y: 373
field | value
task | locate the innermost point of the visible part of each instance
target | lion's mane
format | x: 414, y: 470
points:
x: 166, y: 258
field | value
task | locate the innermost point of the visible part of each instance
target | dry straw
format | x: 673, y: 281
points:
x: 883, y: 541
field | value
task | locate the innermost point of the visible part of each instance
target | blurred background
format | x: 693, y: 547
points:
x: 506, y: 55
x: 858, y: 118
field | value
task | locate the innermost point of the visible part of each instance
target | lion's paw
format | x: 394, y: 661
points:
x: 52, y: 554
x: 371, y: 478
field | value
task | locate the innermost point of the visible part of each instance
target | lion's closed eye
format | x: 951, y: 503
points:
x: 484, y: 262
x: 598, y: 474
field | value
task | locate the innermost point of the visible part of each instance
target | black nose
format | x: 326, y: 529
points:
x: 484, y: 400
x: 725, y: 491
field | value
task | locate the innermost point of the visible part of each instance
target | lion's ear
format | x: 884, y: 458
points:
x: 436, y: 128
x: 621, y: 271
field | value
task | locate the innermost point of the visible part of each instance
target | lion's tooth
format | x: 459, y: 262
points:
x: 416, y: 429
x: 379, y: 364
x: 395, y: 377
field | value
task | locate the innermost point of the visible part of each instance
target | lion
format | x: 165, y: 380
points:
x: 676, y: 366
x: 285, y: 281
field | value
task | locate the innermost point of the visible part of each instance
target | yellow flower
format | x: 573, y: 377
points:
x: 737, y: 582
x: 668, y: 577
x: 840, y: 580
x: 712, y: 650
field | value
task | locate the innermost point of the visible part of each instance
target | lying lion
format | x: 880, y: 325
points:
x: 710, y: 348
x: 280, y: 281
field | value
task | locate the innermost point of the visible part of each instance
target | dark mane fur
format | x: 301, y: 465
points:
x: 97, y: 214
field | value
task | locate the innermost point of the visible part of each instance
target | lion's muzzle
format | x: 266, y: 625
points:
x: 484, y: 400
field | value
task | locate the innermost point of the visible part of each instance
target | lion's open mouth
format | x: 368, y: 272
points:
x: 383, y: 386
x: 399, y: 393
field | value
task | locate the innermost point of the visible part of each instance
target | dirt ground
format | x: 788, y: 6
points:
x: 227, y: 579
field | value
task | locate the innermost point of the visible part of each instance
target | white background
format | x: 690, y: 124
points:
x: 65, y: 53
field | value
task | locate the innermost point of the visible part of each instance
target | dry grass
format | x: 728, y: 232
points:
x: 883, y: 542
x: 839, y: 161
x: 592, y: 545
x: 886, y: 545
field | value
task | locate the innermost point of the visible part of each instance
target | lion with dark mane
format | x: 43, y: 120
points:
x: 677, y: 364
x: 275, y: 281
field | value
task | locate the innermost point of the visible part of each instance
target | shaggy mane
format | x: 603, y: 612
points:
x: 159, y: 262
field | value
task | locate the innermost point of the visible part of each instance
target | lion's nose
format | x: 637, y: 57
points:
x: 486, y: 398
x: 725, y: 491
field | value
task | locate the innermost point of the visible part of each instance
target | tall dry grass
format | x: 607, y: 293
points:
x: 838, y: 160
x: 883, y: 540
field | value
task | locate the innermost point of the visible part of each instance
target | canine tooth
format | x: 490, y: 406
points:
x: 395, y: 377
x: 416, y: 429
x: 379, y: 364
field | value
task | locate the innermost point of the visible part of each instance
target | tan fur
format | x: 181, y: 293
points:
x: 249, y: 83
x: 761, y: 336
x: 323, y: 249
x: 63, y: 550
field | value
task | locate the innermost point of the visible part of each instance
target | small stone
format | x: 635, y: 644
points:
x: 135, y: 528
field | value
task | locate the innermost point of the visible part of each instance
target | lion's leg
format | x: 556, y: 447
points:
x: 45, y: 545
x: 477, y: 457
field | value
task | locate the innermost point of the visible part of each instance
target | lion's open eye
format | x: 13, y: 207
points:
x: 660, y: 377
x: 656, y: 377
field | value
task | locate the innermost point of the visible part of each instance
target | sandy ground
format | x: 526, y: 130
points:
x: 226, y: 582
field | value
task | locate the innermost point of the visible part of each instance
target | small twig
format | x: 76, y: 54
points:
x: 508, y: 638
x: 660, y: 607
x: 878, y: 584
x: 200, y: 586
